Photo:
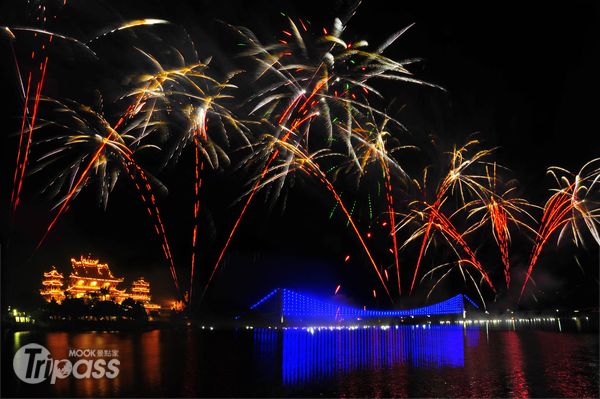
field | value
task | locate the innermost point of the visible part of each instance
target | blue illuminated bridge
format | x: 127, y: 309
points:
x: 284, y: 306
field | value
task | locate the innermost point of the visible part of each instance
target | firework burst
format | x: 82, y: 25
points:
x: 316, y: 87
x: 312, y: 109
x: 500, y: 209
x: 571, y: 210
x: 459, y: 180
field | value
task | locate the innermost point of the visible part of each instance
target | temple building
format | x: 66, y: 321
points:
x: 90, y: 278
x: 53, y: 283
x: 140, y: 291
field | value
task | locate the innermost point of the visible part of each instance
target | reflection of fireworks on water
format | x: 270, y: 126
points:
x: 315, y: 111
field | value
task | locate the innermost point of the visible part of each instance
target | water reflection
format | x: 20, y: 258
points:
x: 312, y: 354
x: 139, y: 355
x: 408, y: 361
x: 514, y: 365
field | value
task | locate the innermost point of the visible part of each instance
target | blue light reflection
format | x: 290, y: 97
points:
x: 309, y: 354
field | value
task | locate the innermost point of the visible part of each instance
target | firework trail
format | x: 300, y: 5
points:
x: 87, y: 135
x: 254, y: 190
x: 425, y: 216
x: 307, y: 80
x: 154, y: 213
x: 500, y: 209
x: 501, y: 234
x: 372, y: 146
x: 307, y: 163
x: 31, y: 123
x: 189, y: 94
x: 312, y: 91
x: 35, y: 78
x: 445, y: 226
x: 198, y: 167
x: 80, y: 181
x: 97, y: 156
x: 572, y: 202
x: 457, y: 177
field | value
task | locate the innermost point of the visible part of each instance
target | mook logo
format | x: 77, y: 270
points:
x: 33, y: 364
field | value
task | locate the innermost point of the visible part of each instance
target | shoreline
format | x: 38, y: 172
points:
x: 585, y: 322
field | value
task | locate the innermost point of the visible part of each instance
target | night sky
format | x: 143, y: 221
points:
x: 522, y: 77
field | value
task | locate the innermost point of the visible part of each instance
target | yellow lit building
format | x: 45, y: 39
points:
x: 92, y: 278
x: 140, y: 291
x: 52, y: 286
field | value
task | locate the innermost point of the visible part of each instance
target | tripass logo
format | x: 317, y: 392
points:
x: 33, y: 364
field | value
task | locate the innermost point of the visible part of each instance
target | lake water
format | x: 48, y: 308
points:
x: 404, y: 361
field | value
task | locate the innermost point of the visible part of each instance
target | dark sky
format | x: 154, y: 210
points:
x: 522, y: 76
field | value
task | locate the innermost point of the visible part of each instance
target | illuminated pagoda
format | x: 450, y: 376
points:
x: 53, y: 283
x: 90, y: 279
x: 140, y: 291
x: 90, y: 276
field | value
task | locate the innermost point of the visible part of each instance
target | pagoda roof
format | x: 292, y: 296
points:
x: 141, y: 282
x: 92, y: 268
x: 53, y: 273
x: 95, y: 275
